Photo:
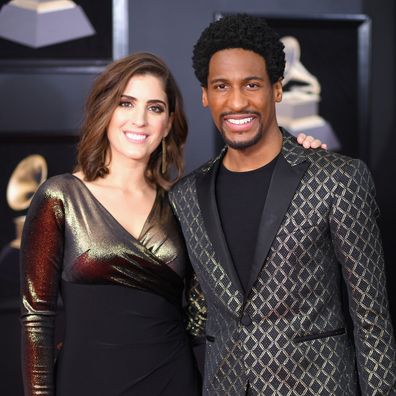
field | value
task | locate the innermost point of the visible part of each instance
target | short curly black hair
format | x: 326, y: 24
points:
x: 239, y: 31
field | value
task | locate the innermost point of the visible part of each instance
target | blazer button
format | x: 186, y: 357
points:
x: 246, y: 320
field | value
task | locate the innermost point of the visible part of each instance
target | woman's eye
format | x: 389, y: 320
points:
x: 156, y: 109
x: 125, y: 104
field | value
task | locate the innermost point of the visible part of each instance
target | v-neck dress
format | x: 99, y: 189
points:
x: 124, y: 332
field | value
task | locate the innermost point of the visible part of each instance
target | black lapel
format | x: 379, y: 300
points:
x: 206, y: 192
x: 284, y: 182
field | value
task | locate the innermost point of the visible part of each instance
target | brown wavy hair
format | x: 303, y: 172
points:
x: 102, y: 101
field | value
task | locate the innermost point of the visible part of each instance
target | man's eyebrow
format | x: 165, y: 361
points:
x: 260, y: 78
x: 249, y: 78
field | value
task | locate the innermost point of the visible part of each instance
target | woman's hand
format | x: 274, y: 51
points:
x: 310, y: 142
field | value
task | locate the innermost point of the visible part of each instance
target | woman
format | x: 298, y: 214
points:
x: 105, y: 239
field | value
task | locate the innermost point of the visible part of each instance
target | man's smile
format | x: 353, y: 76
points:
x: 239, y: 123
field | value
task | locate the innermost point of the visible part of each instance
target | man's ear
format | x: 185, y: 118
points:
x: 204, y: 97
x: 278, y: 91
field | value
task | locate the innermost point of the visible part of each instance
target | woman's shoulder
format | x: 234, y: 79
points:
x: 56, y: 186
x: 58, y: 181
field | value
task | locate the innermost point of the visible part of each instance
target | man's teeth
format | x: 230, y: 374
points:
x: 240, y: 121
x: 135, y: 136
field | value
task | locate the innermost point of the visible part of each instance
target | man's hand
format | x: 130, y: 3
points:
x: 310, y: 141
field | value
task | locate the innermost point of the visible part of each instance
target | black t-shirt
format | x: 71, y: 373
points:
x: 240, y: 200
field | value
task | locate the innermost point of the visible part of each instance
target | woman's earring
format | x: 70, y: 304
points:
x: 163, y: 162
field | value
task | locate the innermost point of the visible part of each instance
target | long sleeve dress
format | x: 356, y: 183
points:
x: 124, y: 332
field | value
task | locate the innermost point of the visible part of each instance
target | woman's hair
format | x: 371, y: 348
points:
x: 244, y: 31
x: 93, y: 147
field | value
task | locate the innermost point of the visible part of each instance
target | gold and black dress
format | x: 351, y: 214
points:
x: 124, y: 332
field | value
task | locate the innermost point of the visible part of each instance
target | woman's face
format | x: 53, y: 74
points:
x: 140, y: 120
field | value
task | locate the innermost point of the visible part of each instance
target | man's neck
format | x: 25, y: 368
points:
x: 251, y: 158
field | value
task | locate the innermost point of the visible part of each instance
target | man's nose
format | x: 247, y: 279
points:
x: 237, y: 100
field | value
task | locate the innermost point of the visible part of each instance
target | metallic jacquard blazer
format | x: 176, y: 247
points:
x: 286, y: 335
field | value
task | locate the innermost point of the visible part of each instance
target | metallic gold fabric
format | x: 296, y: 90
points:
x: 70, y: 236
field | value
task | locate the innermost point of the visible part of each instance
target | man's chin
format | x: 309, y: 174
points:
x: 241, y: 144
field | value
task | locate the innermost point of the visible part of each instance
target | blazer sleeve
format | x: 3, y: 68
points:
x: 196, y: 311
x: 41, y: 259
x: 357, y: 243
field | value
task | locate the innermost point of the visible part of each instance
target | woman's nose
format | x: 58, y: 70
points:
x: 139, y: 116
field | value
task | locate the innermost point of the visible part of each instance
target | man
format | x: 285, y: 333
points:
x: 272, y: 229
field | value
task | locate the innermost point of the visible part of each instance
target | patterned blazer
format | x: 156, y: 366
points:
x: 287, y: 334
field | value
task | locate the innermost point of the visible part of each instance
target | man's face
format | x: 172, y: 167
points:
x: 241, y: 97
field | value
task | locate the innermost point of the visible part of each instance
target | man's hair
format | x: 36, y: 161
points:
x: 239, y: 31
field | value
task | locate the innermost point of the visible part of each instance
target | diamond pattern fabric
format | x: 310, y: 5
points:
x: 288, y: 334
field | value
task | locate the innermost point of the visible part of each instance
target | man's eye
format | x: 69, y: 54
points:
x: 252, y: 85
x: 220, y: 86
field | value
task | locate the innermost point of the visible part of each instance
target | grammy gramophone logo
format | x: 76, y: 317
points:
x: 26, y: 178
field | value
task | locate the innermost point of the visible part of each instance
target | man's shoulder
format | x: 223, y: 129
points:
x: 319, y: 158
x: 324, y: 157
x: 189, y: 179
x: 328, y: 159
x: 324, y: 164
x: 336, y: 166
